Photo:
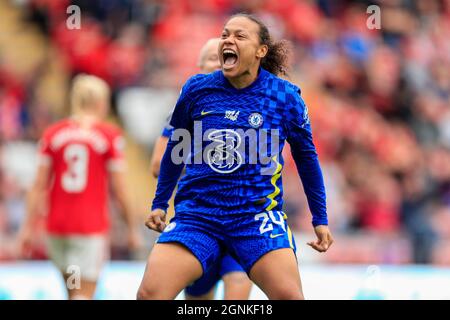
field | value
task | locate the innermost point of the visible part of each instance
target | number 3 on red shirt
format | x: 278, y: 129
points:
x: 74, y: 178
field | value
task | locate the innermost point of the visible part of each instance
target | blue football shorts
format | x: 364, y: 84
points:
x: 245, y: 237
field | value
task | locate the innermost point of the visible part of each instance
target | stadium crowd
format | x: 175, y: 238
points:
x: 379, y: 101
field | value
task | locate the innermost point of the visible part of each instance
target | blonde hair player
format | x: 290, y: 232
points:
x: 78, y: 157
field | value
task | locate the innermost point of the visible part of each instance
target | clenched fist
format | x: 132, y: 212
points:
x: 324, y: 239
x: 156, y: 220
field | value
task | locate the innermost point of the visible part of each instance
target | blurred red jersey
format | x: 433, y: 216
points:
x: 80, y: 159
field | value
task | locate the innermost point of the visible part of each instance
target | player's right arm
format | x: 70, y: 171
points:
x: 158, y: 152
x: 170, y: 170
x: 160, y: 147
x: 156, y: 220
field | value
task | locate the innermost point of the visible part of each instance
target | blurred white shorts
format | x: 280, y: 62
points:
x: 86, y: 254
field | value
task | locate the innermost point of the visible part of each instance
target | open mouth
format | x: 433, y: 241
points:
x: 230, y: 58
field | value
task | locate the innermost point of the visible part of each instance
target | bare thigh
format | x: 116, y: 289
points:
x: 276, y: 273
x: 170, y: 268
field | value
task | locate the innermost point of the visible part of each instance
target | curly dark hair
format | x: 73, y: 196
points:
x: 276, y: 59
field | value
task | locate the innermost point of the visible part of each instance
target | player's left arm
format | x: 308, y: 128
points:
x: 35, y: 206
x: 299, y: 136
x: 118, y: 183
x: 117, y: 174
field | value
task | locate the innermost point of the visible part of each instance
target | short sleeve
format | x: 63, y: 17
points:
x: 115, y: 154
x: 45, y: 153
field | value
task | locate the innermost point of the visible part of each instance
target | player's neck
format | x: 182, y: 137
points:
x: 245, y: 79
x: 85, y: 120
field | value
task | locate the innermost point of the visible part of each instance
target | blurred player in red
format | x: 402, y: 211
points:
x: 77, y: 158
x: 237, y: 285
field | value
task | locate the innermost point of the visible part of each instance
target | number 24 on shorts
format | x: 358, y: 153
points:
x: 272, y: 216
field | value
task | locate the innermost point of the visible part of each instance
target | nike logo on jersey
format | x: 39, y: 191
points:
x: 275, y: 235
x: 204, y: 113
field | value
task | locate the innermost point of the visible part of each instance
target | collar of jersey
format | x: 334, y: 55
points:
x: 262, y: 74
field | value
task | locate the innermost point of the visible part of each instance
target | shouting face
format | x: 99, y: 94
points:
x: 240, y: 50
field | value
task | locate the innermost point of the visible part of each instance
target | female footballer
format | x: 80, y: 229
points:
x: 227, y: 201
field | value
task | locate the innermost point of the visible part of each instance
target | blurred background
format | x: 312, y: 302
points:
x: 379, y: 102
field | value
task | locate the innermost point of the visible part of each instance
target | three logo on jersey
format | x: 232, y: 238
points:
x: 224, y: 158
x: 228, y: 148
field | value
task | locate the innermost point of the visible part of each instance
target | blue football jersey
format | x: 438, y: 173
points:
x: 231, y: 142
